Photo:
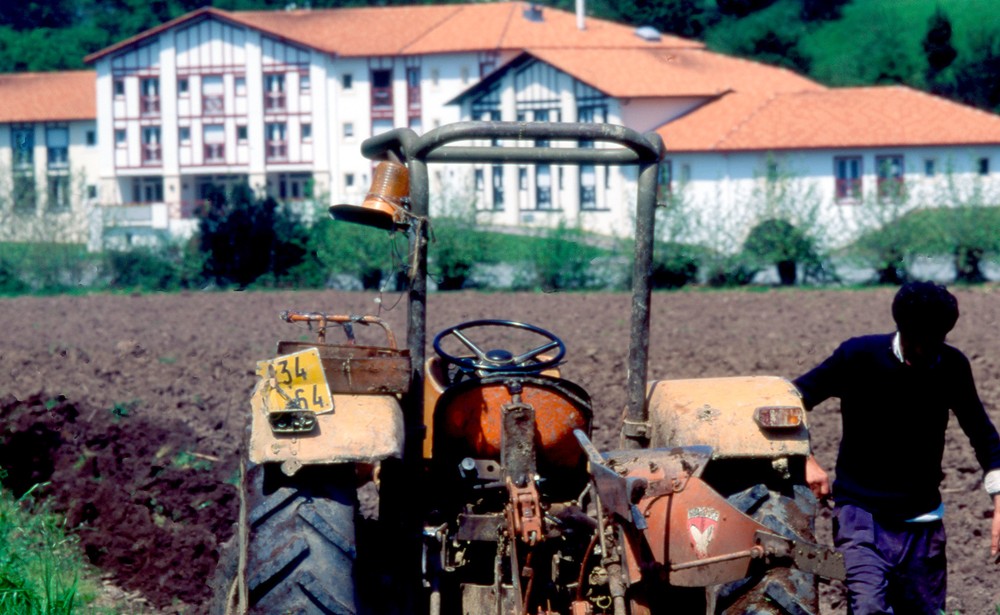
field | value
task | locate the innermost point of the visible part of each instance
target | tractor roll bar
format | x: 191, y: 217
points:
x: 643, y: 150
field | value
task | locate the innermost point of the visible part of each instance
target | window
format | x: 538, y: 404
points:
x: 522, y: 178
x: 276, y: 144
x: 22, y: 142
x: 348, y: 130
x: 149, y: 101
x: 57, y: 142
x: 543, y: 186
x: 347, y: 81
x: 983, y: 166
x: 91, y: 137
x: 240, y: 85
x: 215, y: 143
x: 184, y: 134
x: 147, y: 190
x: 274, y: 92
x: 212, y: 95
x: 381, y: 88
x: 58, y: 197
x: 241, y: 134
x: 120, y: 139
x: 588, y: 186
x: 930, y: 167
x: 119, y: 88
x: 25, y: 196
x: 151, y: 151
x: 666, y: 176
x: 348, y: 180
x: 480, y: 180
x: 305, y: 83
x: 413, y: 89
x: 91, y: 191
x: 182, y: 86
x: 497, y: 187
x: 847, y: 177
x: 307, y: 132
x: 890, y: 176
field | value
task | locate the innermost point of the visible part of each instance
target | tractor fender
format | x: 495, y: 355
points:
x: 361, y: 428
x: 720, y: 413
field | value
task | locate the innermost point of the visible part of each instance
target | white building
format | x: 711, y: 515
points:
x: 48, y: 155
x: 283, y: 99
x: 745, y: 142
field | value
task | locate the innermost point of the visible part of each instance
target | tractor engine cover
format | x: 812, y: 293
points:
x: 469, y: 418
x: 732, y: 415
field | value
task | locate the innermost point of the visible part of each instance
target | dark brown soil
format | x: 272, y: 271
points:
x: 130, y: 407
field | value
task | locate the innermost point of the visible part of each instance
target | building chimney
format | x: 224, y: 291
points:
x: 580, y: 13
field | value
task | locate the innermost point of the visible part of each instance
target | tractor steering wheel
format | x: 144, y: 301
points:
x: 500, y: 360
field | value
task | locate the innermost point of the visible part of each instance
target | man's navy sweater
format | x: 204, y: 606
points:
x: 894, y: 418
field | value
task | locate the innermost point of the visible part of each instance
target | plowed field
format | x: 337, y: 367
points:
x: 131, y: 406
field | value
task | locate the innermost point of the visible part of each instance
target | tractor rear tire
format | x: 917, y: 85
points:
x: 777, y: 591
x: 298, y: 544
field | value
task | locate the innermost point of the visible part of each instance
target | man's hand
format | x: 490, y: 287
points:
x: 995, y: 534
x: 819, y: 481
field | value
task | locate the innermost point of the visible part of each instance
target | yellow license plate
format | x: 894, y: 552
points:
x: 296, y: 381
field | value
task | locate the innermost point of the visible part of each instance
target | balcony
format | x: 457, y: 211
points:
x: 274, y: 101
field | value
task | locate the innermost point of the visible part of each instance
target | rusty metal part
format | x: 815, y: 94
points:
x: 517, y: 458
x: 372, y: 370
x: 719, y: 412
x: 345, y: 321
x: 805, y: 556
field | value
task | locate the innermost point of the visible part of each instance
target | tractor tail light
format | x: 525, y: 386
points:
x: 779, y: 417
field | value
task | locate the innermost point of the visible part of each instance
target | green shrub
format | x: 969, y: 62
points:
x: 143, y: 268
x: 367, y: 254
x: 674, y: 265
x: 562, y: 260
x: 456, y: 246
x: 777, y: 242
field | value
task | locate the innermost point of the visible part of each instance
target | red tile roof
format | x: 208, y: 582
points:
x: 891, y: 116
x: 424, y: 29
x: 658, y: 73
x: 58, y: 96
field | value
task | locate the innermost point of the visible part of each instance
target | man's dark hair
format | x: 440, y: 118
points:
x: 925, y: 309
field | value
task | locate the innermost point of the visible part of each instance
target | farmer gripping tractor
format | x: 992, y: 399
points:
x: 491, y: 496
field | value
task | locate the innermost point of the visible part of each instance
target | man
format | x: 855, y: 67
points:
x: 895, y: 392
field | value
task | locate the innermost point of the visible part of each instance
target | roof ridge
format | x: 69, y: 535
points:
x: 458, y: 9
x: 746, y: 119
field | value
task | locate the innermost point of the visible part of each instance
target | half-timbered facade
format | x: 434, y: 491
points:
x: 282, y: 100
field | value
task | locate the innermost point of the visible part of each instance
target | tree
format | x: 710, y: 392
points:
x: 975, y: 75
x: 938, y: 49
x: 686, y: 18
x: 244, y: 238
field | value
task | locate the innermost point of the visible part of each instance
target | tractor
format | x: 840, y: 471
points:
x: 491, y: 495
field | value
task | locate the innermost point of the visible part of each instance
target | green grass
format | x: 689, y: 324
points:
x: 41, y: 569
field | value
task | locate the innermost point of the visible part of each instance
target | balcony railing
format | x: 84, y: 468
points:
x: 215, y: 152
x: 213, y: 105
x: 274, y: 101
x: 150, y: 105
x: 152, y: 154
x: 277, y: 151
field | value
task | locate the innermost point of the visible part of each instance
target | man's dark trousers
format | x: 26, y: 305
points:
x: 896, y: 567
